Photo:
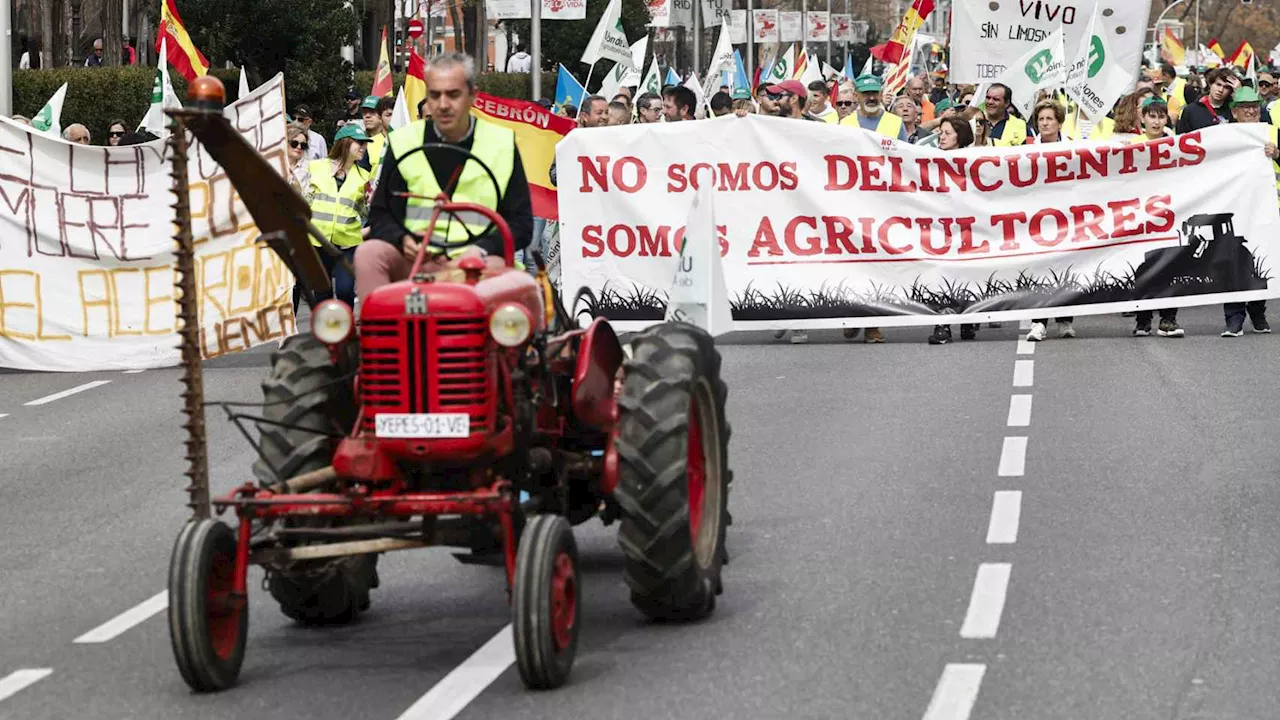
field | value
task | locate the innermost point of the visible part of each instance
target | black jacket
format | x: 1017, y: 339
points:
x: 1196, y: 116
x: 515, y: 205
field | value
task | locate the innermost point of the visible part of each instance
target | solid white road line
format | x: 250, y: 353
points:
x: 465, y: 682
x: 1019, y: 411
x: 1013, y: 458
x: 1024, y: 374
x: 67, y: 393
x: 116, y: 626
x: 134, y: 372
x: 4, y: 415
x: 1006, y: 510
x: 14, y: 682
x: 956, y: 693
x: 987, y: 602
x: 1026, y: 347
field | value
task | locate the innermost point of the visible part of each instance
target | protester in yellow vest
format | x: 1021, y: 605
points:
x: 451, y: 91
x: 339, y: 206
x: 1006, y: 130
x: 871, y: 113
x: 377, y: 124
x: 1246, y: 107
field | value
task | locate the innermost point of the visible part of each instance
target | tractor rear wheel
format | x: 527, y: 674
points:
x: 208, y: 624
x: 306, y: 390
x: 673, y: 480
x: 546, y: 602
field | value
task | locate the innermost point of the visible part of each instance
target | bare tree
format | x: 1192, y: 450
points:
x: 112, y: 12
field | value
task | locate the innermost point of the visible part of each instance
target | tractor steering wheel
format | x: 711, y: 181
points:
x: 447, y: 213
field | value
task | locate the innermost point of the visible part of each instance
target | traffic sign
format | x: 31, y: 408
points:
x: 416, y: 28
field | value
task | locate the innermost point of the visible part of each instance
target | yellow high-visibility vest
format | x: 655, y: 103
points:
x: 333, y: 209
x: 1015, y: 133
x: 494, y: 145
x: 890, y: 125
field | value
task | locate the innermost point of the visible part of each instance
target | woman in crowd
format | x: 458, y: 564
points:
x: 1049, y: 116
x: 339, y: 207
x: 116, y: 132
x: 954, y: 133
x: 299, y: 174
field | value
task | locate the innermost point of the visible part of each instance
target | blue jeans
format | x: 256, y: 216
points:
x: 343, y: 282
x: 1235, y: 312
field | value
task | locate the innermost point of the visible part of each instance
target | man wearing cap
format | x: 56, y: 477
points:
x: 790, y: 97
x: 1246, y: 107
x: 353, y: 113
x: 317, y: 148
x: 871, y: 114
x: 451, y: 92
x: 377, y: 116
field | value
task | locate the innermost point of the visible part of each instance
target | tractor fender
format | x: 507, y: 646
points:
x: 599, y: 358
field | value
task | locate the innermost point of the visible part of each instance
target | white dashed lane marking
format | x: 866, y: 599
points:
x: 1013, y: 458
x: 956, y: 693
x: 1019, y: 411
x: 116, y: 626
x: 1024, y: 373
x: 18, y: 680
x: 1026, y: 347
x: 134, y: 372
x: 1006, y: 511
x: 67, y: 393
x: 986, y: 605
x: 465, y: 682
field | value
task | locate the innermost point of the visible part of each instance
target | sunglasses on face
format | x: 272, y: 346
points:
x: 775, y: 96
x: 116, y: 133
x: 1265, y: 83
x: 299, y: 145
x: 845, y: 103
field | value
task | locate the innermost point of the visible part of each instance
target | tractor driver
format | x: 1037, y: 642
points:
x: 451, y: 91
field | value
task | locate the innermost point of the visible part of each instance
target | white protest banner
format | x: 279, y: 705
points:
x: 789, y: 29
x: 835, y: 226
x: 86, y: 250
x: 840, y: 29
x: 987, y: 36
x: 858, y: 31
x: 765, y: 23
x: 563, y: 9
x: 817, y: 26
x: 714, y: 12
x: 659, y: 13
x: 508, y: 9
x: 738, y: 27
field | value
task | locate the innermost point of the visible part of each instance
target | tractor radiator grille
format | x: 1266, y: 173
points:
x: 426, y: 365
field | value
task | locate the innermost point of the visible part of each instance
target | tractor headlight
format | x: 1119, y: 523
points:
x: 510, y: 325
x: 332, y: 322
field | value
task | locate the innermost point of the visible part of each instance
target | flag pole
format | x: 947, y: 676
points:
x: 6, y: 59
x: 585, y: 92
x: 535, y: 47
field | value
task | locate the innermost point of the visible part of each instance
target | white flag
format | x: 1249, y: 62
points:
x: 869, y: 67
x: 162, y: 97
x: 621, y: 76
x: 722, y: 59
x: 49, y: 119
x: 783, y: 67
x: 811, y: 72
x: 609, y: 42
x: 400, y: 113
x: 698, y: 293
x: 1095, y: 80
x: 693, y: 84
x: 652, y: 80
x: 1044, y: 65
x: 244, y: 85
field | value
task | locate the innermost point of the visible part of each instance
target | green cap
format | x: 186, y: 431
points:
x: 1245, y: 95
x: 868, y: 83
x: 1154, y: 100
x: 943, y: 106
x: 353, y: 131
x: 740, y: 94
x: 370, y: 103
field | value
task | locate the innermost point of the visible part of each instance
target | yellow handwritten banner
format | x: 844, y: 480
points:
x: 86, y: 250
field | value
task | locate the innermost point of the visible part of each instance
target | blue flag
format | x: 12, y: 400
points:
x: 568, y: 90
x: 740, y: 79
x: 672, y: 77
x: 848, y: 67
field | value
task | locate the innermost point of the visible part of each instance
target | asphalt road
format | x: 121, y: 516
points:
x: 899, y: 549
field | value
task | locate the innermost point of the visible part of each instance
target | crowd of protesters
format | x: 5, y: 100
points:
x: 930, y: 112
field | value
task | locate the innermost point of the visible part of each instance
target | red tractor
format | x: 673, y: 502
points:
x: 460, y: 409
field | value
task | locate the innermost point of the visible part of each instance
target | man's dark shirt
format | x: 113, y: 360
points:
x: 515, y: 205
x: 1197, y: 116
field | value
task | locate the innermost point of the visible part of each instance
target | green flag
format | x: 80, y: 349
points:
x: 49, y: 119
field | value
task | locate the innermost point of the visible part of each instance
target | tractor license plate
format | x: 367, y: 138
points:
x: 424, y: 425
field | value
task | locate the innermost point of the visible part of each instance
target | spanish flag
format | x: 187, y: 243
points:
x: 1216, y: 47
x: 1243, y: 55
x: 903, y: 35
x: 1172, y: 49
x: 382, y: 85
x: 182, y: 53
x: 537, y: 134
x: 415, y: 83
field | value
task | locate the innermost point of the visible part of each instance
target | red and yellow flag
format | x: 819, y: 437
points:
x: 802, y: 64
x: 1243, y: 55
x: 537, y: 134
x: 900, y: 42
x: 1216, y: 47
x: 1172, y: 49
x: 382, y: 83
x: 415, y: 83
x: 182, y: 53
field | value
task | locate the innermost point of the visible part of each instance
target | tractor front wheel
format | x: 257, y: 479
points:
x: 673, y: 472
x: 208, y: 623
x: 547, y: 602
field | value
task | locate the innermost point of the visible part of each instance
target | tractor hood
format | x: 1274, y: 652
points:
x: 453, y: 296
